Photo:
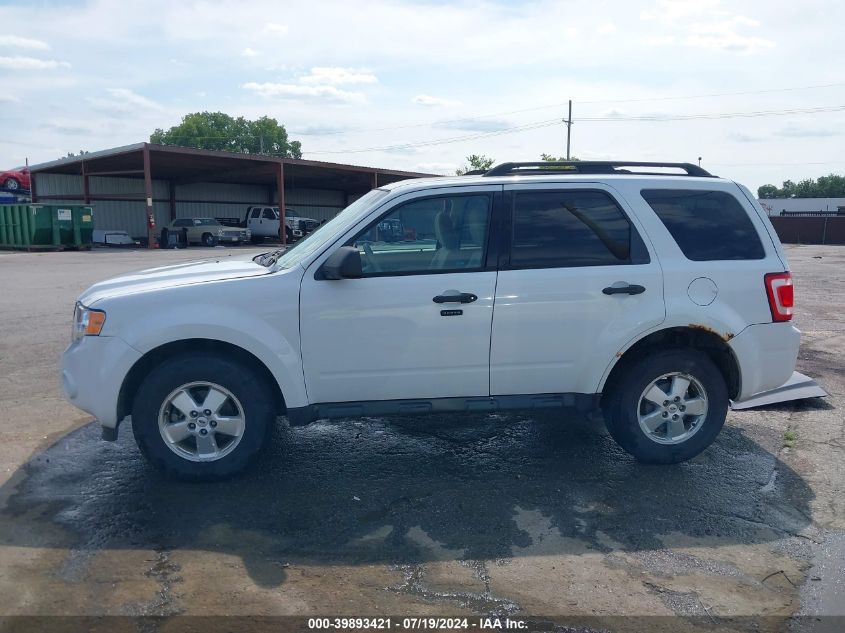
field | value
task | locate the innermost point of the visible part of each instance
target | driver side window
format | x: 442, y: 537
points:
x: 440, y: 234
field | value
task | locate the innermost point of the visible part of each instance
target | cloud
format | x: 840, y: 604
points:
x: 9, y: 99
x: 273, y: 27
x: 474, y: 125
x: 724, y: 36
x: 614, y: 113
x: 319, y: 85
x: 673, y: 10
x: 14, y: 41
x: 70, y: 129
x: 436, y: 168
x: 704, y: 24
x: 248, y: 52
x: 797, y: 131
x: 335, y: 76
x: 741, y: 137
x: 320, y: 130
x: 123, y: 102
x: 403, y: 151
x: 433, y: 102
x: 661, y: 40
x: 299, y: 92
x: 19, y: 62
x: 606, y: 29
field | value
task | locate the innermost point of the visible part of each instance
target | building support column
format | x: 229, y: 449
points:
x: 148, y: 199
x: 33, y: 194
x: 280, y: 187
x: 86, y: 185
x: 172, y: 200
x: 375, y: 180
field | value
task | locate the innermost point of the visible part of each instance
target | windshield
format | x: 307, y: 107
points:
x: 205, y: 221
x: 325, y: 234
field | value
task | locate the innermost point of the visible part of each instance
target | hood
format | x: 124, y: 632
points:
x: 172, y: 276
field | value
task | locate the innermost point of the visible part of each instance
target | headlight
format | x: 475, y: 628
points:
x: 87, y: 322
x: 248, y: 233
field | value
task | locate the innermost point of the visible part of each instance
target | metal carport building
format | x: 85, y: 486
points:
x: 126, y: 185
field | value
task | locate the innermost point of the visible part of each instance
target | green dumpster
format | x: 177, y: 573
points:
x: 33, y: 226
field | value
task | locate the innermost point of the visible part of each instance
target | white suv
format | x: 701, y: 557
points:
x: 656, y: 291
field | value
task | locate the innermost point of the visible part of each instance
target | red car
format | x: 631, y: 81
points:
x: 15, y: 179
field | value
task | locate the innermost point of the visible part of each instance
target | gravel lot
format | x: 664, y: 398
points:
x: 488, y: 514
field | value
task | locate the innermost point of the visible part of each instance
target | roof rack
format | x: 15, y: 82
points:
x: 595, y: 167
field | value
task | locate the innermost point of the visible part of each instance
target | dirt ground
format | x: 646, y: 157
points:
x: 528, y: 516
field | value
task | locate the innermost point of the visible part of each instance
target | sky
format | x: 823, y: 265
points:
x: 754, y: 88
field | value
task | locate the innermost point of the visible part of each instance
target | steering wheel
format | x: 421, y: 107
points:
x: 371, y: 259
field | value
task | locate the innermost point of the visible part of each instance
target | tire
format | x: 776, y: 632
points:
x: 288, y: 235
x: 660, y: 439
x: 11, y: 184
x: 246, y: 412
x: 256, y: 239
x: 208, y: 240
x: 163, y: 239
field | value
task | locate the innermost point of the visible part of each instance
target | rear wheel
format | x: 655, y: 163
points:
x: 667, y: 407
x: 202, y: 417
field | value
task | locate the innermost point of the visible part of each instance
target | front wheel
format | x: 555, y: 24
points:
x: 667, y: 407
x: 208, y: 239
x: 202, y: 417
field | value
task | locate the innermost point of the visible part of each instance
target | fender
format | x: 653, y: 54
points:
x: 725, y: 329
x: 225, y: 311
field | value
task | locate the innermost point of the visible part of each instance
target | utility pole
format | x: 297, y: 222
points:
x: 568, y: 122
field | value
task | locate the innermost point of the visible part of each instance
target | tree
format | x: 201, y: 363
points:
x: 555, y: 159
x: 831, y: 186
x: 767, y: 191
x: 219, y: 131
x: 476, y: 162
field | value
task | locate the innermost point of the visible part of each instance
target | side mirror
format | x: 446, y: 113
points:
x: 344, y: 263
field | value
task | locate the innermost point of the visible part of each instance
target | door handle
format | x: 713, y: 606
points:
x: 630, y: 289
x: 461, y: 297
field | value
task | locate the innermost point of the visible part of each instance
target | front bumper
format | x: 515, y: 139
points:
x: 766, y: 354
x: 92, y: 373
x: 241, y: 237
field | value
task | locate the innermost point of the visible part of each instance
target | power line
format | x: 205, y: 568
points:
x: 447, y: 122
x: 452, y: 139
x: 550, y: 122
x: 721, y: 115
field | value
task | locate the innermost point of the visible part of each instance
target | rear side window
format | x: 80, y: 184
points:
x: 557, y: 229
x: 707, y: 225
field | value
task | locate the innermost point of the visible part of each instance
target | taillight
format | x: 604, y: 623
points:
x: 781, y: 298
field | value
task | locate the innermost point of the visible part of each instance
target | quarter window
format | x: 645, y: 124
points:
x: 556, y: 229
x: 707, y: 225
x: 432, y: 235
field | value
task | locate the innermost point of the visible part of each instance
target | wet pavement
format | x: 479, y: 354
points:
x: 487, y: 514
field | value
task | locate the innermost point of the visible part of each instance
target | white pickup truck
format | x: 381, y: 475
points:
x: 658, y: 297
x: 263, y: 222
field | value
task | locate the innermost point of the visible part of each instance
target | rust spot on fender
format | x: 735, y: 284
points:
x: 725, y: 337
